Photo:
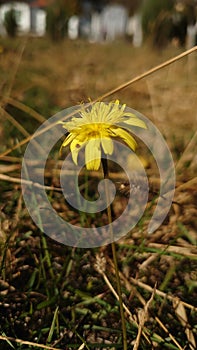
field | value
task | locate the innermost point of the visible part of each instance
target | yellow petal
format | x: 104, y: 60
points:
x: 117, y: 102
x: 93, y: 154
x: 123, y: 107
x: 68, y: 139
x: 107, y: 145
x: 134, y: 121
x: 125, y: 136
x: 75, y: 147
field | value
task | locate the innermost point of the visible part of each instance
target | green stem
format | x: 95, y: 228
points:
x: 113, y: 247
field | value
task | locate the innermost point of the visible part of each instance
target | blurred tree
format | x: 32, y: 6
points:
x: 190, y: 7
x: 167, y: 20
x: 58, y: 13
x: 151, y: 9
x: 10, y: 23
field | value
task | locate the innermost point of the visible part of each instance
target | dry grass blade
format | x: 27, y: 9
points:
x: 148, y: 261
x: 14, y: 122
x: 191, y: 184
x: 182, y: 316
x: 25, y: 342
x: 17, y: 61
x: 158, y: 292
x: 19, y: 127
x: 154, y: 291
x: 184, y: 251
x: 189, y: 150
x: 169, y: 334
x: 26, y: 182
x: 81, y: 347
x: 9, y: 168
x: 148, y: 288
x: 149, y: 72
x: 25, y: 109
x: 11, y: 159
x: 100, y: 268
x: 143, y: 317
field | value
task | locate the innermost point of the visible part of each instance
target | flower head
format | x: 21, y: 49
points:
x: 95, y: 129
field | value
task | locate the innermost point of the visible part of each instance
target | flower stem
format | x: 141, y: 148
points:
x: 113, y: 247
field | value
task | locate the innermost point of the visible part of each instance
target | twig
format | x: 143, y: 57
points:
x: 149, y: 72
x: 185, y: 251
x: 14, y: 122
x: 187, y: 185
x: 81, y: 346
x: 24, y: 108
x: 182, y: 317
x: 143, y: 317
x: 154, y: 291
x: 158, y: 292
x: 169, y: 334
x: 100, y: 267
x: 25, y: 342
x: 17, y: 64
x: 150, y: 289
x: 189, y: 147
x: 27, y: 182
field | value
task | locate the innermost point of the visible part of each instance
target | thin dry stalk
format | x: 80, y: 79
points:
x: 143, y: 317
x: 81, y: 347
x: 149, y: 72
x: 9, y: 168
x: 155, y: 291
x: 191, y: 184
x: 25, y: 342
x: 158, y: 292
x: 37, y: 116
x: 100, y: 267
x: 169, y: 334
x: 17, y: 64
x: 190, y: 252
x: 148, y: 288
x: 14, y: 122
x: 182, y: 317
x: 27, y: 182
x: 190, y: 148
x: 148, y: 261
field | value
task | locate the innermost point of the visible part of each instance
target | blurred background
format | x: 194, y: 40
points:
x: 103, y: 20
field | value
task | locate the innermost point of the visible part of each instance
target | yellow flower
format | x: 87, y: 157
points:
x: 95, y: 129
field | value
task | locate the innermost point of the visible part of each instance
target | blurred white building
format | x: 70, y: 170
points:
x: 191, y: 35
x: 38, y: 21
x: 114, y: 21
x: 73, y: 27
x: 23, y: 16
x: 108, y: 24
x: 134, y: 29
x: 30, y: 18
x: 96, y: 32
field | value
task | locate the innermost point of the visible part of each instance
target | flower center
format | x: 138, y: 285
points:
x: 96, y: 129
